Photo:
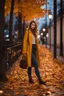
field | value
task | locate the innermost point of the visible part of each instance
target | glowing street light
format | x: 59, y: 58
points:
x: 47, y: 35
x: 41, y: 33
x: 1, y: 92
x: 38, y: 36
x: 44, y: 29
x: 50, y: 17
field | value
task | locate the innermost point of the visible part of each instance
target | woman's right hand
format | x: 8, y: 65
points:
x: 24, y: 55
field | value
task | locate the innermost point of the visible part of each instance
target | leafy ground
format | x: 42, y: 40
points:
x: 52, y: 71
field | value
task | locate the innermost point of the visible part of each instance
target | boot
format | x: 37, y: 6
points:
x: 42, y: 82
x: 31, y: 80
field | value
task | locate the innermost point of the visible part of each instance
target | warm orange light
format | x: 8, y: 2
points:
x: 1, y: 91
x: 5, y: 7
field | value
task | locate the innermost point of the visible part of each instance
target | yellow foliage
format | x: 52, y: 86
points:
x: 29, y: 9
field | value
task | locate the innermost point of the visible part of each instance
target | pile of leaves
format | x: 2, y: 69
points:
x: 51, y: 71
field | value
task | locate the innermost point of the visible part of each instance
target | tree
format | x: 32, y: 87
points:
x: 20, y: 21
x: 11, y: 20
x: 61, y: 28
x: 55, y: 28
x: 2, y: 51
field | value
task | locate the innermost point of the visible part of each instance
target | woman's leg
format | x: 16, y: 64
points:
x: 29, y: 75
x: 35, y: 64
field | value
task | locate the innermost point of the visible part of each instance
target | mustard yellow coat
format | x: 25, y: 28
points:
x: 27, y: 48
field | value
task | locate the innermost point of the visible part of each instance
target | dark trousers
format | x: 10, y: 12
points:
x: 34, y: 63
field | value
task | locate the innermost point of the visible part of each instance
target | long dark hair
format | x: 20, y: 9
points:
x: 34, y: 31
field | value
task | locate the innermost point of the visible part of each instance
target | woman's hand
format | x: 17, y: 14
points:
x: 24, y: 55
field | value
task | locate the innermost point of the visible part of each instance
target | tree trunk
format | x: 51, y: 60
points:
x: 11, y: 20
x: 20, y: 31
x: 2, y: 49
x: 61, y: 29
x: 55, y: 27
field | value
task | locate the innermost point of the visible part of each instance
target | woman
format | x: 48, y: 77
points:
x: 30, y: 48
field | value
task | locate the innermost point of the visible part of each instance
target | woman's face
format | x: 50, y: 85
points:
x: 33, y: 25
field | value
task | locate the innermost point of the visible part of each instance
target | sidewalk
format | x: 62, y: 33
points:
x: 50, y: 70
x: 61, y: 58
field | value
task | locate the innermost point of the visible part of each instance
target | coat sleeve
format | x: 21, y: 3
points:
x: 24, y: 48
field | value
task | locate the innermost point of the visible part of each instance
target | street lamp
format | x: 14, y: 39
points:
x: 44, y: 29
x: 1, y: 92
x: 50, y: 17
x: 38, y: 36
x: 47, y: 35
x: 41, y: 34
